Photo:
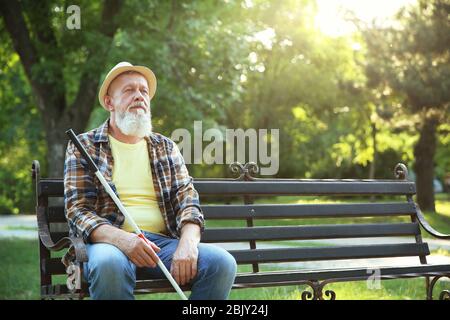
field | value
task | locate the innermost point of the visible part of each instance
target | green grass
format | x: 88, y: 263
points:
x: 440, y: 220
x: 19, y: 279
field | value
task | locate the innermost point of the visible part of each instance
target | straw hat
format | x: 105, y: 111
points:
x: 122, y: 67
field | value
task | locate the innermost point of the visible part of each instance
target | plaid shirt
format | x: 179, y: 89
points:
x: 88, y: 205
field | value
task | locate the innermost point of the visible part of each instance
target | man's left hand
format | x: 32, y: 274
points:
x: 184, y: 261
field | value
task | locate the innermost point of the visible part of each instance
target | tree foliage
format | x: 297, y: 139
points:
x: 342, y: 110
x: 411, y: 59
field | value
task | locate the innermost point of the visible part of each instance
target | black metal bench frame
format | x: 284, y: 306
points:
x: 248, y: 187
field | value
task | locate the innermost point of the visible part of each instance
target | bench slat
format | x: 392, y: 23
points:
x: 304, y: 187
x: 55, y: 187
x: 310, y: 232
x: 265, y: 279
x: 54, y: 266
x: 51, y: 188
x: 235, y: 234
x: 385, y: 273
x: 56, y: 214
x: 329, y: 253
x: 281, y: 211
x: 58, y: 235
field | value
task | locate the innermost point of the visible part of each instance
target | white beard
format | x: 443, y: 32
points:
x: 138, y: 124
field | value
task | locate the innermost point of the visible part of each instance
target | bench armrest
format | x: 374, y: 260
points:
x: 424, y: 223
x: 44, y: 235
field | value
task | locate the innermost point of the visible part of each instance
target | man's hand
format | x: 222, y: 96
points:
x: 184, y: 261
x: 136, y: 249
x: 139, y: 252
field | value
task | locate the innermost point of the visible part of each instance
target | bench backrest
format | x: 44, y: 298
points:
x: 276, y: 222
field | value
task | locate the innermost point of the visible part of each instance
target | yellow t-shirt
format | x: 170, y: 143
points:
x: 133, y: 179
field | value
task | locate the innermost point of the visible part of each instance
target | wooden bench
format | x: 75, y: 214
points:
x: 265, y: 223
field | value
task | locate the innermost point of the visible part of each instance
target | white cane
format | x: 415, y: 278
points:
x: 92, y: 166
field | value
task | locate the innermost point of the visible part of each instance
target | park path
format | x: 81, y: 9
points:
x: 18, y: 226
x: 22, y: 227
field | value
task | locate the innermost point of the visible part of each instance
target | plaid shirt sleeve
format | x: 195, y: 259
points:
x: 80, y: 194
x: 184, y: 198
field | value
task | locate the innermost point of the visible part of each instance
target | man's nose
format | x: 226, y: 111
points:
x: 138, y: 96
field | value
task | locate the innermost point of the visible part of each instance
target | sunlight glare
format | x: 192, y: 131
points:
x: 330, y: 17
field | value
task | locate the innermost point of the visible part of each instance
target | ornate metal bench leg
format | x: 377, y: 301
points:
x: 427, y: 287
x: 329, y: 293
x: 308, y: 295
x: 317, y: 291
x: 444, y: 295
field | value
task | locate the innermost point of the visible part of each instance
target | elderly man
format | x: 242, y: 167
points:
x: 148, y: 174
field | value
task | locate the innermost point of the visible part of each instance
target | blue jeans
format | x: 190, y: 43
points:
x: 112, y: 276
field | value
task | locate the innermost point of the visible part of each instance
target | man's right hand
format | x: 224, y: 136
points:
x: 139, y: 252
x: 135, y: 248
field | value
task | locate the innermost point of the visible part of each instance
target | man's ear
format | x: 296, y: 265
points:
x: 108, y: 103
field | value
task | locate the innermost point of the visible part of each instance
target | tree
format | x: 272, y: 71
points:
x: 46, y: 47
x: 412, y: 59
x: 49, y: 76
x: 303, y: 82
x: 177, y: 39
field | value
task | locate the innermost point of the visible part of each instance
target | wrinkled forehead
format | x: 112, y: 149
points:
x: 127, y: 78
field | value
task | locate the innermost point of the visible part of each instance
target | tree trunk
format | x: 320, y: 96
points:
x: 424, y: 152
x: 57, y: 140
x: 374, y: 160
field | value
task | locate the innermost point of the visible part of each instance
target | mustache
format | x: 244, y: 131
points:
x: 138, y: 104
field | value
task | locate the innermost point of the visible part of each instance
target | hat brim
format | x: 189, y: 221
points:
x: 146, y: 72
